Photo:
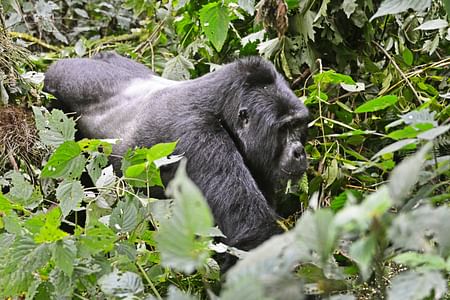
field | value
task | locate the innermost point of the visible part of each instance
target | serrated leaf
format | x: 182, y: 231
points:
x: 65, y: 162
x: 69, y: 194
x: 124, y: 217
x: 391, y: 7
x: 95, y: 165
x: 417, y: 285
x: 215, y: 20
x: 181, y: 238
x: 420, y: 117
x: 121, y: 284
x: 50, y: 232
x: 178, y: 68
x: 54, y: 128
x: 97, y: 238
x: 64, y: 254
x: 406, y: 174
x: 377, y: 104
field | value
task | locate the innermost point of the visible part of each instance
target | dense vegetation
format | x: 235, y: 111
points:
x: 375, y: 76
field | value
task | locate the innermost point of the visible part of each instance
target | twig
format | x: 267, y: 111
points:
x: 33, y: 39
x: 398, y: 69
x: 150, y: 283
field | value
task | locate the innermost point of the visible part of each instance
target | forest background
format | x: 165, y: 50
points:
x: 375, y: 200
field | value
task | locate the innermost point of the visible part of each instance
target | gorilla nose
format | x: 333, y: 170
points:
x: 298, y: 152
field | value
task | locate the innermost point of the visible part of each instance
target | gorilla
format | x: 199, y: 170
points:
x: 241, y: 129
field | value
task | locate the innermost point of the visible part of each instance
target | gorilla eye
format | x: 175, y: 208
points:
x: 243, y: 116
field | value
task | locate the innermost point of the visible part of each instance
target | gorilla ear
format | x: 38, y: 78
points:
x: 258, y: 72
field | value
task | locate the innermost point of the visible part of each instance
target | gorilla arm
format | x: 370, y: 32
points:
x: 239, y: 208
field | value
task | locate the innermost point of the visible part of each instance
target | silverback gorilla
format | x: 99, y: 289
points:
x: 241, y: 129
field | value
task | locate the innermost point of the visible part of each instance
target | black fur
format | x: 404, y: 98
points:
x: 241, y: 128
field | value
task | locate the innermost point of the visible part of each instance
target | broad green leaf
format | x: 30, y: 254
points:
x: 181, y: 238
x: 54, y: 128
x: 410, y: 132
x: 417, y: 285
x: 93, y: 145
x: 394, y: 147
x: 97, y: 238
x: 65, y: 162
x: 69, y: 194
x: 423, y: 260
x: 392, y: 7
x: 406, y: 174
x: 64, y: 254
x: 22, y: 192
x: 215, y: 22
x: 122, y: 285
x: 332, y: 77
x: 377, y: 104
x: 95, y: 164
x: 362, y: 252
x: 160, y: 150
x: 408, y: 56
x: 50, y: 232
x: 124, y: 217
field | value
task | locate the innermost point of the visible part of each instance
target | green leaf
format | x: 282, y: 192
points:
x: 331, y: 173
x: 178, y: 68
x: 392, y: 7
x: 122, y: 285
x: 124, y: 217
x: 215, y: 22
x: 160, y: 150
x: 423, y: 260
x: 410, y: 132
x: 69, y: 194
x: 332, y: 77
x: 97, y: 238
x: 54, y: 128
x: 408, y: 56
x: 349, y: 6
x: 51, y: 232
x: 65, y: 162
x: 22, y: 192
x: 417, y: 285
x: 362, y: 252
x: 377, y: 104
x: 64, y: 254
x: 181, y: 238
x: 406, y: 174
x: 176, y: 294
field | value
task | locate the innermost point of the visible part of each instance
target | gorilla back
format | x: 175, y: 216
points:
x: 241, y: 129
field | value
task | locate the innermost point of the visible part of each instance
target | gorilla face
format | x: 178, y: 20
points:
x: 272, y: 131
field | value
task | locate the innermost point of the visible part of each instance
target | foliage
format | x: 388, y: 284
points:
x: 375, y: 76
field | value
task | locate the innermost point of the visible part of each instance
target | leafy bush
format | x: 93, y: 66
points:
x: 376, y: 79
